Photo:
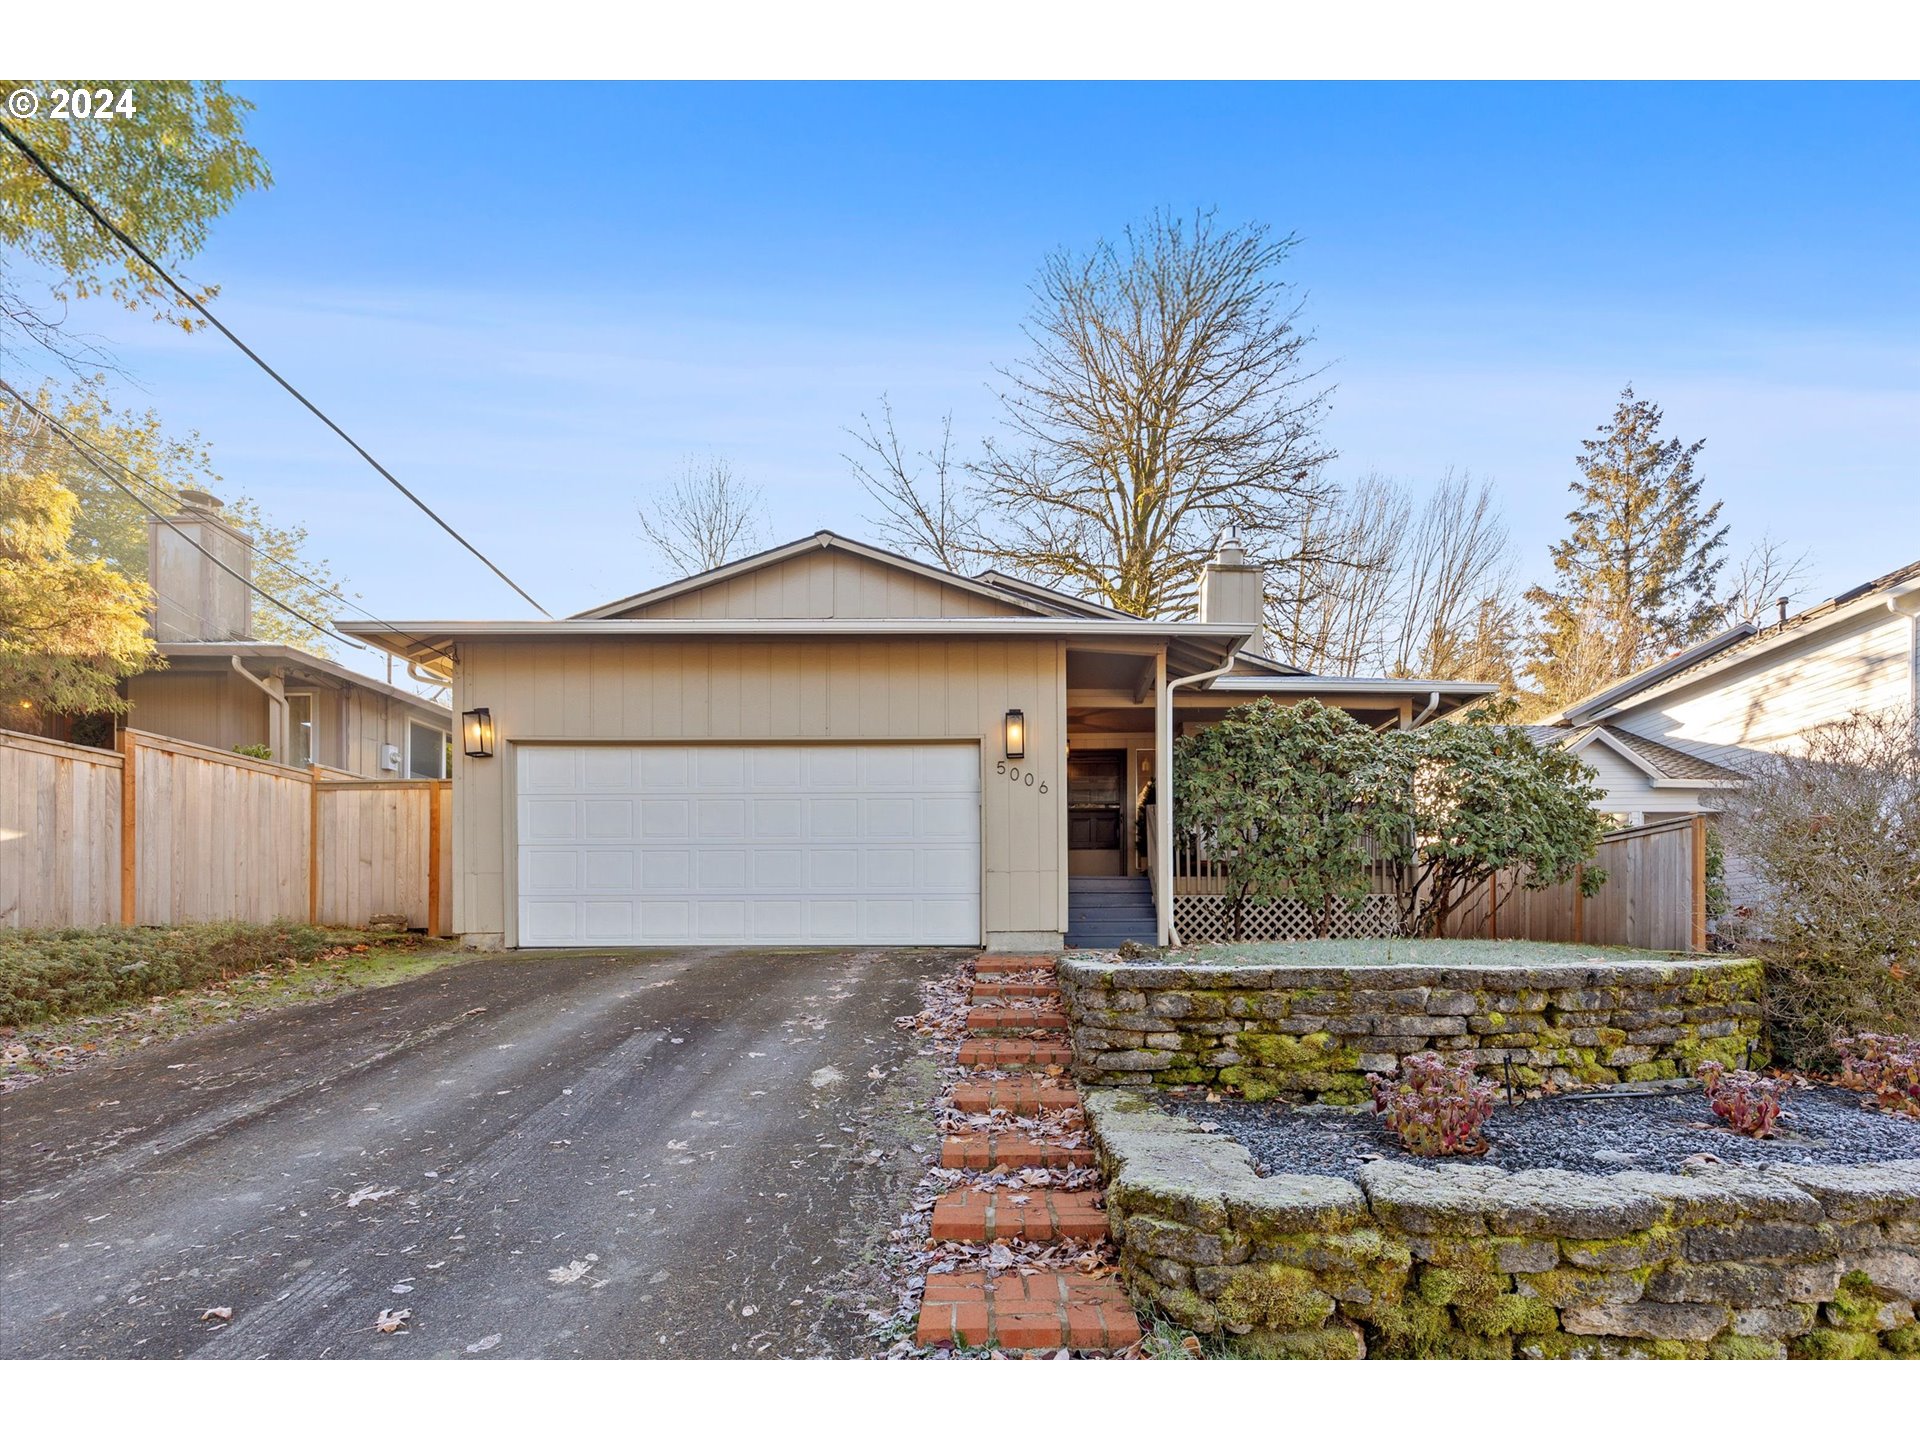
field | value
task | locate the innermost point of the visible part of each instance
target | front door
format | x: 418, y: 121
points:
x: 1096, y: 811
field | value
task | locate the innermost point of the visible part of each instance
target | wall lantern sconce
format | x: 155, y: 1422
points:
x: 1016, y: 735
x: 476, y: 728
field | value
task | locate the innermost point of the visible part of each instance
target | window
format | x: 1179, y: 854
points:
x: 303, y: 737
x: 427, y: 750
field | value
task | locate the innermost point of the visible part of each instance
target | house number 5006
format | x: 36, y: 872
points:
x: 1016, y: 776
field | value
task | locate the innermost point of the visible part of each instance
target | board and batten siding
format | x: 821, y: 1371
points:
x: 1770, y: 703
x: 690, y: 691
x: 825, y: 585
x: 59, y: 834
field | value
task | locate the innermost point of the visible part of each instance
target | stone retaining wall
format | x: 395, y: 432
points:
x: 1471, y: 1261
x: 1313, y: 1033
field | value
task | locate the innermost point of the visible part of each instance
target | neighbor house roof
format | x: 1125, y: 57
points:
x: 1736, y: 646
x: 1663, y: 765
x: 291, y: 658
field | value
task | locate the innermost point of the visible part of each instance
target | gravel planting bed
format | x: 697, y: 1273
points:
x: 1595, y: 1133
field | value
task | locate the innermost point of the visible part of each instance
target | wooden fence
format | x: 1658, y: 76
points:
x: 1654, y: 898
x: 168, y: 833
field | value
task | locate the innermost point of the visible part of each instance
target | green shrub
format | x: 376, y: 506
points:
x: 47, y: 974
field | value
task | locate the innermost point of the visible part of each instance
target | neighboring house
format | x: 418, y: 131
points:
x: 1761, y: 689
x: 1645, y: 781
x: 1668, y: 740
x: 223, y: 688
x: 830, y: 744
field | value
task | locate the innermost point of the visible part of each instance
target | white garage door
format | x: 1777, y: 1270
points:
x: 749, y: 844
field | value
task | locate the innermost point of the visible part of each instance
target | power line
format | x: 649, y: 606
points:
x: 81, y: 449
x: 79, y: 198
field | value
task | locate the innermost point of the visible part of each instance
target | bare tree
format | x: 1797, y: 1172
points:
x: 1457, y: 570
x: 1331, y: 610
x: 931, y: 513
x: 706, y: 518
x: 1385, y: 584
x: 1768, y: 574
x: 1165, y: 397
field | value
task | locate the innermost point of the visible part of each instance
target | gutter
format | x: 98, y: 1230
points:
x: 1163, y: 763
x: 279, y: 732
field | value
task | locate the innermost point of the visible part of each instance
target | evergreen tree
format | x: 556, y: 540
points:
x: 1635, y: 577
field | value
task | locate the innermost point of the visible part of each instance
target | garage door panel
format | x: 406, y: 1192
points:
x: 833, y: 818
x: 606, y: 768
x: 800, y: 844
x: 891, y: 868
x: 721, y: 872
x: 719, y: 819
x: 889, y: 817
x: 608, y: 870
x: 949, y: 817
x: 779, y: 869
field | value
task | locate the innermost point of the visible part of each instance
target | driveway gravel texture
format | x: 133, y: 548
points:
x: 1596, y: 1132
x: 696, y: 1153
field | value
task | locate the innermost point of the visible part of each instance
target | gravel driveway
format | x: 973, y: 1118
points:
x: 690, y: 1153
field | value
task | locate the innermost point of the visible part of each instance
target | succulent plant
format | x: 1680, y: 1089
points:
x: 1886, y: 1067
x: 1435, y: 1106
x: 1749, y: 1103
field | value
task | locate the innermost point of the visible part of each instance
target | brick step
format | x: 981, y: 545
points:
x: 1022, y: 1095
x: 1026, y: 989
x: 1012, y: 964
x: 1000, y: 1053
x: 983, y: 1017
x: 984, y: 1152
x: 1042, y: 1214
x: 1045, y: 1311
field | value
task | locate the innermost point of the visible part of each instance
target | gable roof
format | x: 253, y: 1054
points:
x: 822, y: 540
x: 1660, y: 763
x: 1733, y: 646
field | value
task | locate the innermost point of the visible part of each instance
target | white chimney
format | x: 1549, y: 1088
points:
x: 193, y: 597
x: 1233, y: 590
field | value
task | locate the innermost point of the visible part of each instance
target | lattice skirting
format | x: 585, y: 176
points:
x: 1204, y: 919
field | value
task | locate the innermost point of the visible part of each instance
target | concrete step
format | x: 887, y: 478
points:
x: 1050, y: 1310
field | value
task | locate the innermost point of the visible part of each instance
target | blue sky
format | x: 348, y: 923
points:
x: 532, y: 301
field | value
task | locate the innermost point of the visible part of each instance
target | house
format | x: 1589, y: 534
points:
x: 222, y: 687
x: 1690, y: 722
x: 1644, y: 781
x: 830, y: 744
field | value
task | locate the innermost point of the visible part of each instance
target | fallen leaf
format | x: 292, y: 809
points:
x: 368, y: 1193
x: 746, y: 1310
x: 1191, y: 1344
x: 218, y: 1312
x: 484, y: 1343
x: 571, y: 1272
x: 392, y: 1320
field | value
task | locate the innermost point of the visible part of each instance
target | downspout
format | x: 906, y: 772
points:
x: 278, y: 734
x: 1163, y: 788
x: 1433, y: 704
x: 1913, y: 664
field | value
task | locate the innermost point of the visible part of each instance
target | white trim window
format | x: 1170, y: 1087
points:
x: 427, y: 751
x: 303, y: 728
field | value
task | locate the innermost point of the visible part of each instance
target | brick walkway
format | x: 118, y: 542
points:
x: 1018, y: 1026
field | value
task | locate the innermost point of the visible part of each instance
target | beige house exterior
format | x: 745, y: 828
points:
x: 222, y: 687
x: 831, y: 744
